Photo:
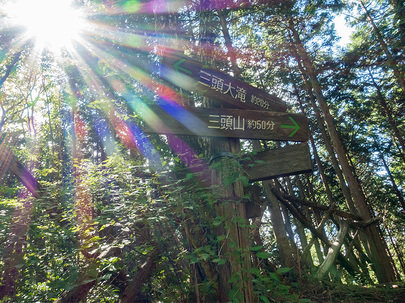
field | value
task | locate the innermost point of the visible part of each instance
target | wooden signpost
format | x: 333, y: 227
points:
x: 218, y: 85
x: 231, y: 123
x: 269, y: 164
x: 280, y: 162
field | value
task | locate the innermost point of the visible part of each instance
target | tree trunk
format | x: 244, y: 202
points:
x: 236, y: 231
x: 228, y: 43
x: 283, y: 241
x: 388, y: 113
x: 333, y: 251
x: 391, y: 62
x: 381, y: 262
x: 139, y: 278
x: 394, y: 184
x: 326, y: 138
x: 308, y: 224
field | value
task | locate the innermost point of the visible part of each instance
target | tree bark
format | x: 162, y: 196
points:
x: 308, y: 224
x: 388, y: 113
x: 283, y: 241
x: 139, y: 278
x: 327, y: 141
x: 394, y: 184
x: 391, y: 62
x: 333, y: 251
x: 228, y: 43
x: 381, y: 261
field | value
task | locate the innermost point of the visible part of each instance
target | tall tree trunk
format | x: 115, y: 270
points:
x: 388, y: 113
x: 394, y: 184
x: 283, y: 241
x: 308, y: 224
x: 381, y: 261
x: 398, y: 251
x: 285, y: 244
x: 228, y: 43
x: 300, y: 228
x: 327, y: 141
x: 391, y: 61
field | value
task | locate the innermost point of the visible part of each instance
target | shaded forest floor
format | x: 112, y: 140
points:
x: 355, y: 294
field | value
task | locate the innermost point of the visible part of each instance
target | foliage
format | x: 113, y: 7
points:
x: 92, y: 209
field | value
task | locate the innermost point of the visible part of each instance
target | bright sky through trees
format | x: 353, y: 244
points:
x: 53, y: 24
x: 343, y: 31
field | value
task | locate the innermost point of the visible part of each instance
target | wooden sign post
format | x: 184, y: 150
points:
x: 269, y: 164
x: 217, y: 85
x: 280, y: 162
x: 231, y: 123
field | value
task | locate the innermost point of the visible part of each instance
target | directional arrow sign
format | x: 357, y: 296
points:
x: 178, y: 68
x: 218, y: 85
x: 295, y: 126
x: 232, y: 123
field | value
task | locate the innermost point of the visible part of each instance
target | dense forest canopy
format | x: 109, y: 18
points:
x: 113, y: 188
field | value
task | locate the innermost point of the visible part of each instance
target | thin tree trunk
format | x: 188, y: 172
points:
x: 308, y: 224
x: 329, y: 147
x: 391, y: 62
x: 394, y: 184
x: 228, y: 43
x: 10, y: 68
x: 388, y: 114
x: 283, y: 242
x: 398, y: 251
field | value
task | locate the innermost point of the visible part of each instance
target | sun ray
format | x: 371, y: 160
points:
x: 53, y: 24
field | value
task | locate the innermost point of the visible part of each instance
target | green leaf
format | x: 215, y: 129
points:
x: 228, y: 180
x: 205, y: 257
x: 304, y: 301
x: 283, y: 270
x: 263, y: 255
x: 256, y: 248
x: 244, y: 180
x: 219, y: 261
x: 274, y: 276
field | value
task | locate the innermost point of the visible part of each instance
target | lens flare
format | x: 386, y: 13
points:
x: 53, y: 24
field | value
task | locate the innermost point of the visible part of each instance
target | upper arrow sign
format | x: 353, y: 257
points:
x: 218, y: 85
x: 178, y: 68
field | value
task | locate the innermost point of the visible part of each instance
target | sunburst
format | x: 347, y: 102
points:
x: 52, y: 24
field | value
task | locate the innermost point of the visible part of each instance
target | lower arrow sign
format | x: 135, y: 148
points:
x: 296, y: 127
